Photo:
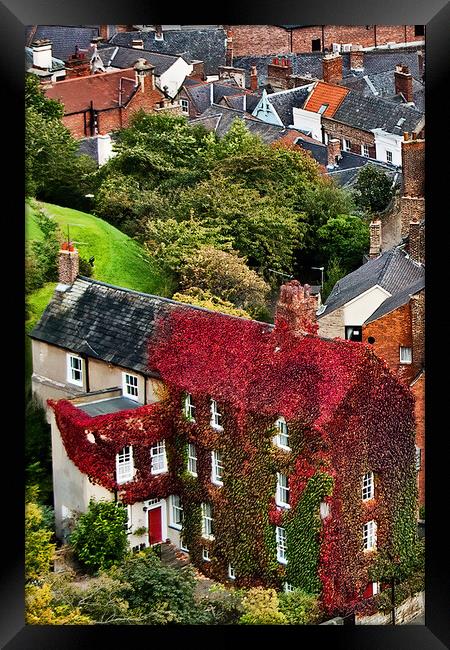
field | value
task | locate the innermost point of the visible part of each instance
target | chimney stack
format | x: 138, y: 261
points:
x: 159, y: 36
x: 403, y: 82
x: 296, y: 310
x: 144, y: 70
x: 279, y: 72
x: 356, y: 58
x: 42, y: 54
x: 334, y: 152
x: 332, y: 67
x: 229, y: 52
x: 421, y: 63
x: 68, y: 264
x: 375, y: 238
x: 253, y: 78
x: 78, y: 64
x: 413, y: 165
x: 416, y: 241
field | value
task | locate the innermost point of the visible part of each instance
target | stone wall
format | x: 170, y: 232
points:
x: 405, y: 612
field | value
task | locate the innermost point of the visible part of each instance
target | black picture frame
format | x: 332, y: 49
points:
x: 435, y: 15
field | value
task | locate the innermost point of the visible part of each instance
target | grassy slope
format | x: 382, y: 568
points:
x: 119, y: 260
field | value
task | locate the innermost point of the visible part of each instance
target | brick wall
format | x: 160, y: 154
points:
x: 270, y: 39
x: 416, y: 243
x: 410, y: 209
x: 357, y: 137
x: 418, y: 390
x: 413, y: 166
x: 390, y: 332
x: 332, y: 325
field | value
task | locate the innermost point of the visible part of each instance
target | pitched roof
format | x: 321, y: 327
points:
x: 207, y: 45
x: 285, y: 100
x: 369, y: 113
x: 397, y: 300
x: 200, y: 94
x: 57, y: 64
x: 126, y: 57
x: 325, y: 94
x: 220, y: 118
x: 382, y: 84
x: 64, y: 38
x: 393, y: 270
x: 102, y: 89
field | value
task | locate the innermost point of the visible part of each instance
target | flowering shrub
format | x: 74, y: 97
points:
x: 347, y: 415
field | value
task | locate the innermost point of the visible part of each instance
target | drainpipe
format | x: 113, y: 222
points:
x: 291, y: 42
x: 375, y: 34
x: 323, y: 38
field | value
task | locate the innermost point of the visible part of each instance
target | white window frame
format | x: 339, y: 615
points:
x: 189, y: 408
x: 158, y: 450
x: 389, y: 154
x: 282, y: 435
x: 192, y: 459
x: 216, y: 468
x: 184, y: 103
x: 282, y: 490
x: 418, y: 458
x: 128, y: 509
x: 368, y: 486
x: 346, y: 144
x: 130, y: 388
x: 124, y: 465
x: 231, y: 572
x: 370, y: 535
x: 375, y: 588
x: 280, y: 534
x: 207, y: 521
x: 215, y: 416
x: 183, y: 546
x: 71, y: 369
x: 205, y: 554
x: 365, y: 151
x: 403, y: 360
x: 175, y: 508
x: 288, y: 588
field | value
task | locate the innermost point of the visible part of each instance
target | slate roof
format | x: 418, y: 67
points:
x: 284, y: 101
x: 105, y: 406
x: 126, y: 57
x: 369, y: 113
x: 220, y: 118
x: 200, y: 94
x: 382, y: 84
x: 398, y: 300
x: 393, y: 270
x: 64, y: 38
x: 207, y: 45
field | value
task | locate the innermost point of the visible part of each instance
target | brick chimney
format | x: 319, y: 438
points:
x: 413, y: 165
x: 334, y: 152
x: 68, y: 264
x: 356, y: 58
x: 375, y: 238
x: 417, y: 304
x: 104, y: 32
x: 421, y: 63
x: 144, y: 75
x: 229, y: 52
x: 416, y: 241
x: 42, y: 54
x: 279, y: 72
x: 159, y: 36
x: 332, y: 67
x: 78, y: 64
x: 253, y: 78
x: 296, y: 310
x: 403, y: 82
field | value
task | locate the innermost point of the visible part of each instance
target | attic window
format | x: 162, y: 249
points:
x: 74, y: 369
x: 322, y: 109
x: 315, y: 45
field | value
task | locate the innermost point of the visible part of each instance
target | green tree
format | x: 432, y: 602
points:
x: 333, y: 273
x: 345, y: 237
x: 201, y: 298
x: 36, y: 98
x: 225, y: 275
x: 373, y: 189
x: 99, y: 538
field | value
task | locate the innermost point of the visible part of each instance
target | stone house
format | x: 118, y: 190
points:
x: 260, y: 450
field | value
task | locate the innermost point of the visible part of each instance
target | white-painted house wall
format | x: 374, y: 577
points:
x: 388, y: 142
x: 308, y: 121
x: 174, y: 76
x: 358, y: 310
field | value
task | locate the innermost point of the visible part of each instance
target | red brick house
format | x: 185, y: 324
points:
x: 269, y: 454
x: 100, y: 103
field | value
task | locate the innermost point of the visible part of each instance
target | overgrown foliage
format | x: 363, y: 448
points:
x: 373, y: 189
x: 261, y: 607
x: 201, y: 298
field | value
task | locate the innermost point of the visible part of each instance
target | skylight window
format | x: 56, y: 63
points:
x: 322, y: 109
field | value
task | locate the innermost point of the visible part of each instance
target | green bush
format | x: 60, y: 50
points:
x: 99, y: 539
x: 261, y: 607
x: 300, y: 608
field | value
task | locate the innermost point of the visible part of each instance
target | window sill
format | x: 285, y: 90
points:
x: 281, y: 561
x: 217, y: 427
x: 217, y: 483
x: 285, y: 506
x: 211, y: 538
x: 192, y: 474
x: 175, y: 526
x: 158, y: 471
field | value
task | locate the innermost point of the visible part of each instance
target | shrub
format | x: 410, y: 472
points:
x: 300, y: 608
x: 261, y: 607
x: 39, y: 550
x: 205, y: 299
x: 99, y: 539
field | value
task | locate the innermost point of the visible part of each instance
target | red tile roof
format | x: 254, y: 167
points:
x: 325, y: 93
x: 102, y: 89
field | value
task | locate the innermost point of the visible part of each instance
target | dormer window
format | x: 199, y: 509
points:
x: 282, y: 437
x: 130, y: 386
x: 189, y: 408
x: 216, y: 416
x: 74, y: 369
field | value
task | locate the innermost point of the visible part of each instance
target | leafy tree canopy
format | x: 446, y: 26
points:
x: 373, y: 189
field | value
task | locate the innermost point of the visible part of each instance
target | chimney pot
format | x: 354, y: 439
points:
x: 375, y: 238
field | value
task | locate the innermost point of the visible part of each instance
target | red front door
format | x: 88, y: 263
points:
x: 155, y: 525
